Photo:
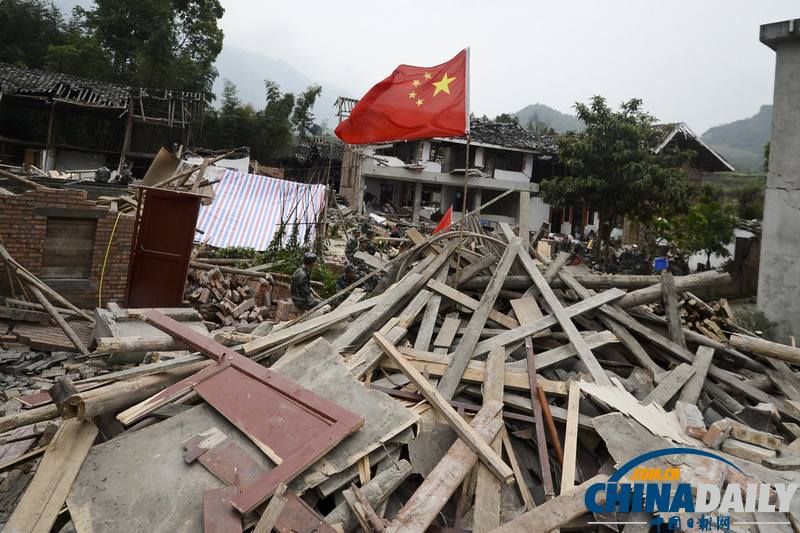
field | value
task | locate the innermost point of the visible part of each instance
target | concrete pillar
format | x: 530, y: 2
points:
x: 779, y: 269
x: 446, y: 199
x: 524, y: 215
x: 417, y: 203
x: 478, y: 199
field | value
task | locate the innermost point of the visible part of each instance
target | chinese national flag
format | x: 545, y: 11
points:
x: 413, y: 103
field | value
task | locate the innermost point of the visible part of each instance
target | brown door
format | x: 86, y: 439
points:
x: 162, y: 249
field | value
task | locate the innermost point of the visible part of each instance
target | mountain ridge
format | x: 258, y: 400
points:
x: 541, y: 115
x: 742, y: 141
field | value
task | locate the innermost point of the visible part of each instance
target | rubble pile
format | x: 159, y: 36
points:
x: 230, y: 299
x: 478, y: 387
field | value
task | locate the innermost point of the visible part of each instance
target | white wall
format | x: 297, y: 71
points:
x: 540, y: 212
x: 508, y: 175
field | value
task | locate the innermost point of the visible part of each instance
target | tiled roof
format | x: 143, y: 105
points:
x: 323, y: 147
x: 510, y: 135
x: 57, y: 86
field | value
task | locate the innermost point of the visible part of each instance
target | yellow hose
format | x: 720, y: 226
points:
x: 105, y: 261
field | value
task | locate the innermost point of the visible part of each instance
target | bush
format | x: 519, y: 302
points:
x: 750, y: 200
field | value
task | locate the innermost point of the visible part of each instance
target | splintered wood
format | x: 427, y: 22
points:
x: 511, y: 381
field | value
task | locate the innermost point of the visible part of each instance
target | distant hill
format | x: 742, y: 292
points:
x: 542, y: 114
x: 742, y: 142
x: 248, y: 70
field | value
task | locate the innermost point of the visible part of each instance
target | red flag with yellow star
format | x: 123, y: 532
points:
x: 413, y: 103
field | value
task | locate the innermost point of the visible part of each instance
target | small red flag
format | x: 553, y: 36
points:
x: 413, y: 103
x: 447, y: 219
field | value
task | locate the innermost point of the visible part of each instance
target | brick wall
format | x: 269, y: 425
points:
x: 23, y: 224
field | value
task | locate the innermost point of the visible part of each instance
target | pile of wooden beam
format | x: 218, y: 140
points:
x: 228, y: 296
x: 479, y: 387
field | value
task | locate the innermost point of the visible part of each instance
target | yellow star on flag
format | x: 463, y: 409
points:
x: 412, y: 95
x: 415, y: 83
x: 427, y: 75
x: 419, y: 102
x: 443, y: 85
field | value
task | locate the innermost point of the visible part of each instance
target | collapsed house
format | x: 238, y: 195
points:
x: 480, y: 387
x: 56, y: 122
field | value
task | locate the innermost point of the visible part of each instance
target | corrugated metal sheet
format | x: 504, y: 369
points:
x: 248, y: 210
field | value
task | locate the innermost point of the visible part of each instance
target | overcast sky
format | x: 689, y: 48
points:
x: 697, y: 61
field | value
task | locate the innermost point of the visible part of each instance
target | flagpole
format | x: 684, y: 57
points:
x: 466, y: 173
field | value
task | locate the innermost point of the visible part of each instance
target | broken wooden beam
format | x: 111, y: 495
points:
x: 556, y: 512
x: 440, y: 403
x: 767, y: 348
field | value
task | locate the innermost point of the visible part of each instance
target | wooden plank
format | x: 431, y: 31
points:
x: 514, y: 378
x: 425, y: 331
x: 639, y: 354
x: 670, y: 385
x: 295, y: 331
x: 556, y: 512
x: 702, y: 361
x: 371, y: 320
x: 440, y: 403
x: 541, y: 441
x: 670, y: 300
x: 68, y: 331
x: 465, y: 350
x: 424, y: 505
x: 528, y: 311
x: 527, y: 330
x: 555, y: 266
x: 471, y: 303
x: 571, y: 438
x: 584, y: 352
x: 524, y: 490
x: 38, y: 508
x: 486, y: 511
x: 447, y: 332
x: 472, y: 270
x: 272, y: 512
x: 715, y: 372
x: 556, y: 355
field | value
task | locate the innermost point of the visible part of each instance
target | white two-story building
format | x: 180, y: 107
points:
x: 413, y: 174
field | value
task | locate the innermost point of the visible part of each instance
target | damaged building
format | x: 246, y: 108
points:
x: 57, y: 122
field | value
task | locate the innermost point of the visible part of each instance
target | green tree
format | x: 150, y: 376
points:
x: 765, y: 164
x: 506, y: 117
x: 707, y: 226
x: 750, y: 200
x: 28, y: 28
x: 144, y: 43
x: 612, y: 167
x: 303, y: 116
x: 275, y: 132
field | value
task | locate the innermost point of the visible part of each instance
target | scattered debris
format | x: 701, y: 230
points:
x: 466, y: 382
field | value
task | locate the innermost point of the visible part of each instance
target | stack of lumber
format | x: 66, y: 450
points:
x: 479, y: 387
x: 233, y: 297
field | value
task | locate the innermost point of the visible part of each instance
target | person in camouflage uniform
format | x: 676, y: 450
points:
x: 302, y: 297
x: 350, y: 275
x: 352, y: 244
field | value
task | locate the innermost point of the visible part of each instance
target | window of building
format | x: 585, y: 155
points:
x: 511, y: 161
x: 68, y: 248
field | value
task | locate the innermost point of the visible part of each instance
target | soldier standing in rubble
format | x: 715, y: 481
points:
x: 302, y: 297
x: 352, y: 244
